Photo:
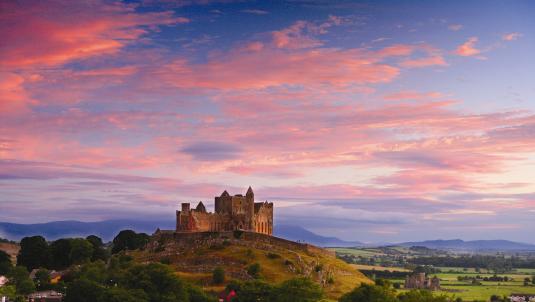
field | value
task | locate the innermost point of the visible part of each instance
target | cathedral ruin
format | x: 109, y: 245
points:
x: 236, y: 212
x: 421, y: 281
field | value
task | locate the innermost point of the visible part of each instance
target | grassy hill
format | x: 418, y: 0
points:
x: 11, y: 248
x: 195, y: 256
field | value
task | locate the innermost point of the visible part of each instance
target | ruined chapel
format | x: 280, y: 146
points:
x: 236, y: 212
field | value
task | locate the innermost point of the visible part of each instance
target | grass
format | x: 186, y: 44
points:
x: 196, y: 266
x: 469, y: 292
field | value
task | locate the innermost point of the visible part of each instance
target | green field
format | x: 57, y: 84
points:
x: 468, y: 292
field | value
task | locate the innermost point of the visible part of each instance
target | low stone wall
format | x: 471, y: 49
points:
x: 188, y: 240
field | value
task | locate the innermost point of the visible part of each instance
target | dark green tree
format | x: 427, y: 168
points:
x: 157, y: 281
x: 5, y: 263
x: 422, y: 296
x: 255, y: 291
x: 20, y: 278
x: 118, y: 294
x: 83, y: 290
x: 196, y: 294
x: 33, y: 252
x: 60, y: 251
x: 81, y: 251
x: 298, y: 290
x: 99, y: 252
x: 370, y: 293
x: 129, y: 240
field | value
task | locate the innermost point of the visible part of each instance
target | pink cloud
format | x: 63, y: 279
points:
x: 511, y: 36
x: 468, y: 48
x: 424, y: 62
x: 455, y: 27
x: 413, y: 95
x: 42, y: 34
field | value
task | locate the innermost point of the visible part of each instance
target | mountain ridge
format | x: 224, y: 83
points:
x: 472, y: 245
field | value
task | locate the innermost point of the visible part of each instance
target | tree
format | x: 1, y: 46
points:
x: 99, y: 252
x: 254, y: 291
x: 218, y: 275
x: 81, y: 251
x: 196, y: 294
x: 9, y: 291
x: 298, y: 290
x: 83, y: 290
x: 20, y: 278
x: 370, y: 293
x: 129, y: 240
x: 33, y: 252
x: 157, y: 281
x: 5, y: 263
x: 42, y: 278
x: 118, y: 294
x: 254, y: 270
x: 422, y: 296
x: 59, y: 252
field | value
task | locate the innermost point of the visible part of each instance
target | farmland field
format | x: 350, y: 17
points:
x: 399, y: 260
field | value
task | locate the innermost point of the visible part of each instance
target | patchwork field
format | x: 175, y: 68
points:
x: 388, y: 259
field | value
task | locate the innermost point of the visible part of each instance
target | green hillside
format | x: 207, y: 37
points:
x: 195, y: 258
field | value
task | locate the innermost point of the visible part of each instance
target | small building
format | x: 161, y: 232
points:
x: 45, y: 296
x: 55, y: 276
x: 522, y: 297
x: 421, y: 281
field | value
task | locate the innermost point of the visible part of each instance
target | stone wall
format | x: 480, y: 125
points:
x: 193, y: 240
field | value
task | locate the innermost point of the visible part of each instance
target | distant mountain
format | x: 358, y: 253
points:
x: 475, y: 245
x: 61, y: 229
x: 297, y: 233
x: 109, y: 228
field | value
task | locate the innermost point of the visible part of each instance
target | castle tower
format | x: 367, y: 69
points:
x: 249, y: 199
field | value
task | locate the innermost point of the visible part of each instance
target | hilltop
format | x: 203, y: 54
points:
x: 194, y: 256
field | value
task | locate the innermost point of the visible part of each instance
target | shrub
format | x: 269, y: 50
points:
x: 273, y: 255
x: 238, y: 234
x: 254, y: 270
x: 218, y: 275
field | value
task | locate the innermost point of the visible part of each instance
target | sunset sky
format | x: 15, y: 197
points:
x: 374, y: 121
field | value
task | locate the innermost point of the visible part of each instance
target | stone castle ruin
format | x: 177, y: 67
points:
x: 236, y: 212
x: 420, y: 281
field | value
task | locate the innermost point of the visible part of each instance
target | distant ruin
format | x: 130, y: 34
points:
x: 420, y: 281
x: 236, y: 212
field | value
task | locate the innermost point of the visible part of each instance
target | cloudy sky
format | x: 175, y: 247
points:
x: 374, y: 121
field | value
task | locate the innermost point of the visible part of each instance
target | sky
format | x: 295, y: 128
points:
x: 377, y: 121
